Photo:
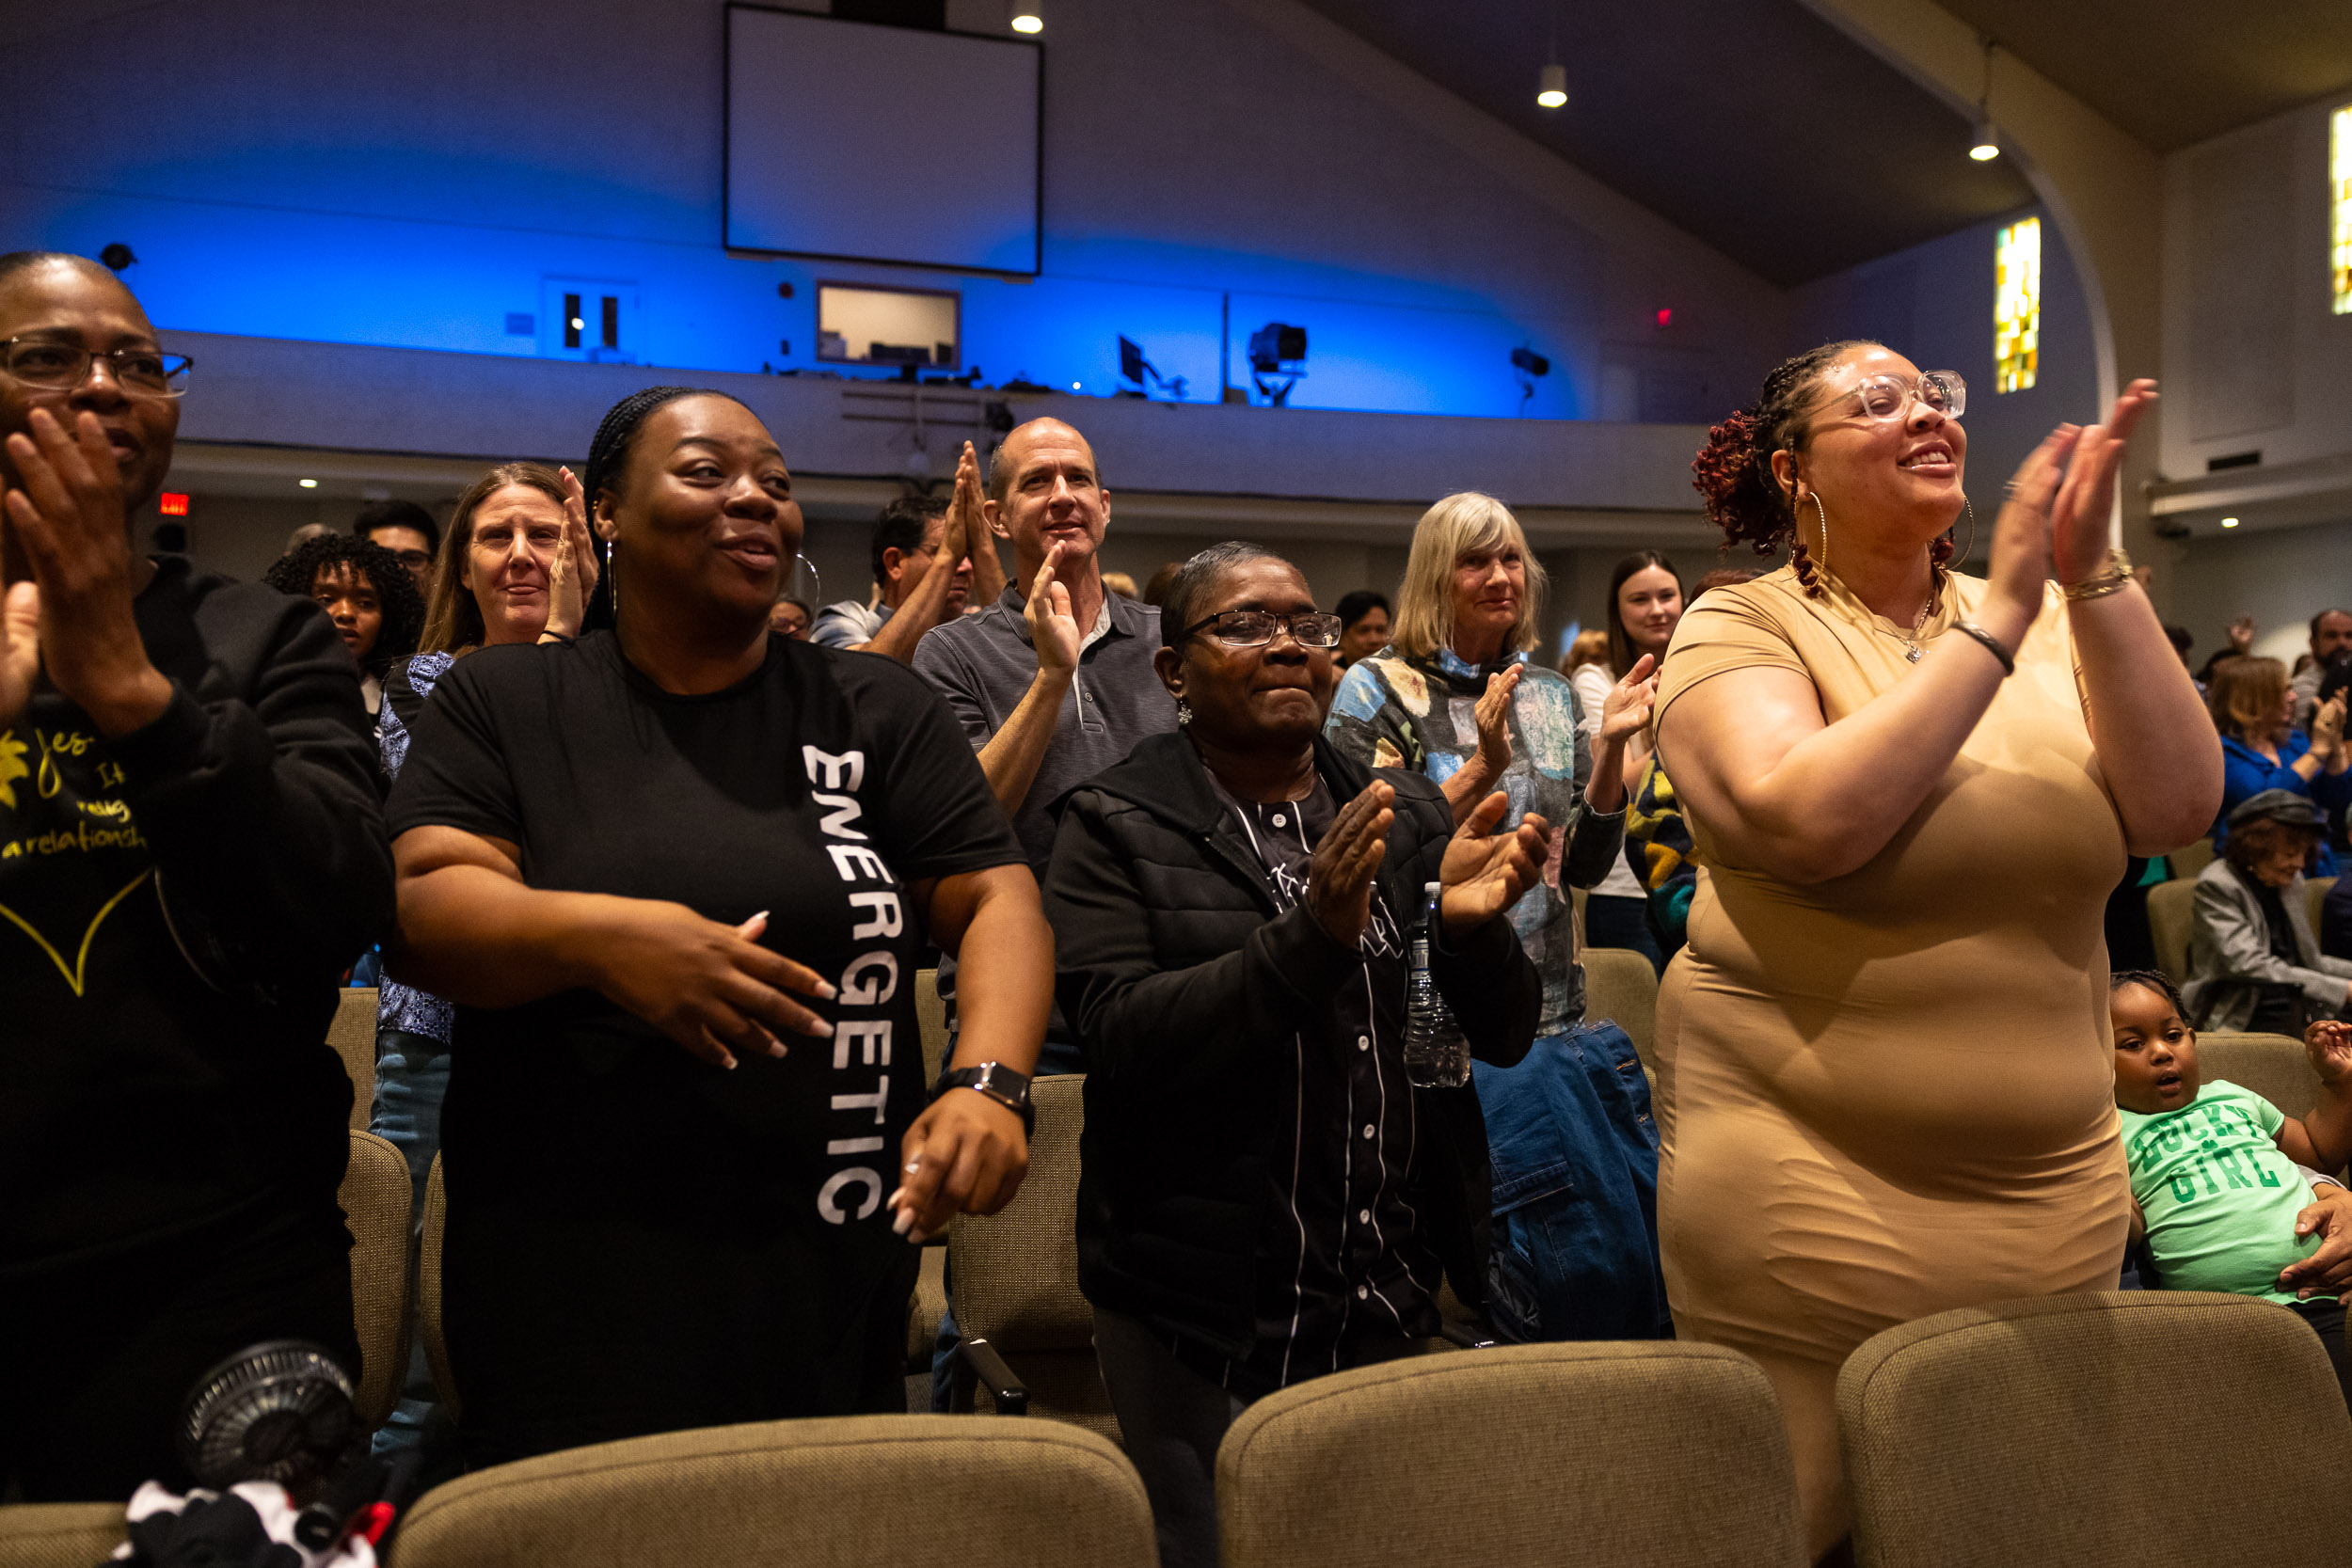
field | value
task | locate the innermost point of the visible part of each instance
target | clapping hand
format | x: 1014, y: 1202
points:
x: 2241, y: 635
x: 1053, y: 625
x: 19, y: 649
x: 67, y: 516
x: 572, y: 576
x: 967, y: 529
x: 1340, y: 877
x: 1494, y: 722
x: 2078, y: 515
x: 2328, y: 728
x: 1626, y: 711
x: 1483, y: 874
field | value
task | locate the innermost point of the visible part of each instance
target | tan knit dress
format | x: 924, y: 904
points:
x: 1891, y: 1093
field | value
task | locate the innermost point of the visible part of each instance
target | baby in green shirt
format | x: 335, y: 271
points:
x: 2216, y: 1190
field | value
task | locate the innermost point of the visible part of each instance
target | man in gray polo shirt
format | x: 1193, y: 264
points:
x: 1055, y: 685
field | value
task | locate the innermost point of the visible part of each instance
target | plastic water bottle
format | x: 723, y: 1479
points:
x: 1435, y: 1055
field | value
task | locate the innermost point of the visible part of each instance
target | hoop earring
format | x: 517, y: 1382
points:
x: 1824, y: 511
x: 1972, y: 529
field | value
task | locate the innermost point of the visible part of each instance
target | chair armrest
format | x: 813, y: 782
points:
x: 1005, y: 1391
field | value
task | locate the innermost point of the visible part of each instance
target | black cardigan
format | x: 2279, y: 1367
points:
x: 1182, y: 980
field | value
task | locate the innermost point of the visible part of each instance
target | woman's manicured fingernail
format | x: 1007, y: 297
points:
x: 817, y: 1027
x: 905, y: 1219
x: 775, y: 1046
x: 892, y: 1202
x: 825, y: 991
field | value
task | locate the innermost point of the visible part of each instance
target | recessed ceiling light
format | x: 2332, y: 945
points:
x: 1552, y: 87
x: 1028, y: 16
x: 2228, y: 522
x: 307, y: 483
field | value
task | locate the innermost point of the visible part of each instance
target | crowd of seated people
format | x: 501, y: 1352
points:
x: 653, y: 855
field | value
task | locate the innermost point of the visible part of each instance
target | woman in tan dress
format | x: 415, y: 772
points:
x: 1885, y: 1063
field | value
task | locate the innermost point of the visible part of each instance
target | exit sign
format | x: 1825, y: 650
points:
x: 172, y: 505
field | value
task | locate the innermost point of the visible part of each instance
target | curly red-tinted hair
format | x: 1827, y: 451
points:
x: 1734, y: 470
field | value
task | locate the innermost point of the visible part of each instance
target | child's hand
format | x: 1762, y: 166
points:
x: 2328, y: 1044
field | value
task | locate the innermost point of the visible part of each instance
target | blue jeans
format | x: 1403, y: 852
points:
x: 411, y: 1078
x: 1575, y: 1156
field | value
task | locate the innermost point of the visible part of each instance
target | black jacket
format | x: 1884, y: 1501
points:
x: 185, y: 899
x: 1182, y: 982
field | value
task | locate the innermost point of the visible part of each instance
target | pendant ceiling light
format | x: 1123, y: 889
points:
x: 1551, y: 82
x: 1985, y: 145
x: 1028, y: 16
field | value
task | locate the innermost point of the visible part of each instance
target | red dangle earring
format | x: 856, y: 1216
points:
x: 1801, y: 559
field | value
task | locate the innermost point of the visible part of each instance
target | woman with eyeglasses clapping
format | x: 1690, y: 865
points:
x: 1266, y: 1196
x: 1885, y: 1080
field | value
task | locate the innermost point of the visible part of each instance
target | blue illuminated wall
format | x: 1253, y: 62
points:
x: 416, y: 175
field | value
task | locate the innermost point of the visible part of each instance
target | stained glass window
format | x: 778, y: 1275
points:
x: 2016, y: 305
x: 2340, y: 208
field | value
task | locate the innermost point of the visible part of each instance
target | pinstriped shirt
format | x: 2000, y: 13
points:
x: 1340, y: 1257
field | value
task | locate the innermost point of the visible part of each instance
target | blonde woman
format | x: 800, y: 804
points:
x: 2254, y: 706
x: 1454, y: 698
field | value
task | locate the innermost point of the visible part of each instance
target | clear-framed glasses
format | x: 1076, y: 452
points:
x: 63, y: 366
x: 1887, y: 394
x: 1255, y: 628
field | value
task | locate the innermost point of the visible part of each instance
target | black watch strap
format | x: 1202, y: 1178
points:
x: 1000, y: 1083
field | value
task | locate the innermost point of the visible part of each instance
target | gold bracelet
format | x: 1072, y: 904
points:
x: 2117, y: 578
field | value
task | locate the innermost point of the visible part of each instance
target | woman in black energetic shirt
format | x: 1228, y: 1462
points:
x: 678, y: 877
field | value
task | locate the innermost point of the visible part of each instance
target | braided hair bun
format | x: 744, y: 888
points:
x: 1734, y: 470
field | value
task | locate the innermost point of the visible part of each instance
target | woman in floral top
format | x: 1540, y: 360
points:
x: 1454, y: 698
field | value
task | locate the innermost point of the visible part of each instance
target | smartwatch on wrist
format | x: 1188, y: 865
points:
x: 998, y: 1082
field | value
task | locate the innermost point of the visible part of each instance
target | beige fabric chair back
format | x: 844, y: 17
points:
x: 375, y: 1198
x: 2189, y: 859
x: 899, y: 1490
x: 59, y: 1535
x: 1620, y: 984
x: 2171, y: 913
x: 353, y: 1036
x: 2315, y: 893
x: 1016, y: 1272
x: 1531, y: 1455
x: 930, y: 1012
x: 2004, y: 1434
x: 429, y: 1288
x: 2272, y: 1065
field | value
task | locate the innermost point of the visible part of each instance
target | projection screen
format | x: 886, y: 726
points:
x: 863, y: 142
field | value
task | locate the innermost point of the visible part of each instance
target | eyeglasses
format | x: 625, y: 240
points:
x: 63, y: 366
x: 1255, y: 628
x: 1884, y: 396
x: 414, y: 560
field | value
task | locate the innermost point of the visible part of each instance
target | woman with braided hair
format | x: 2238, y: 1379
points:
x: 677, y: 876
x: 1885, y: 1085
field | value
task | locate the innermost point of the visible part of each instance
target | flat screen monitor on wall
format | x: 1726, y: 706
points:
x: 864, y: 142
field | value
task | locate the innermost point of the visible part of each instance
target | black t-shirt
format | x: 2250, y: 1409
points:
x: 818, y: 789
